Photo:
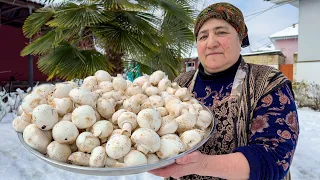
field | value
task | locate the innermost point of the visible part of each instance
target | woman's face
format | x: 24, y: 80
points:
x: 218, y: 45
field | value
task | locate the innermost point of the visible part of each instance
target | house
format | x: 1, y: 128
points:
x: 16, y: 71
x: 190, y: 64
x: 308, y: 53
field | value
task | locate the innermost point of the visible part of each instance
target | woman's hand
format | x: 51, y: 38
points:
x: 193, y: 163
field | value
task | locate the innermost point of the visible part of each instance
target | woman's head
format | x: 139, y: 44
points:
x: 220, y: 32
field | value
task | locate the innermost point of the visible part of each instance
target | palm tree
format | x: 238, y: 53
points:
x: 154, y: 33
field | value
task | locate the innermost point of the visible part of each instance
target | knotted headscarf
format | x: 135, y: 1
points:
x: 227, y: 12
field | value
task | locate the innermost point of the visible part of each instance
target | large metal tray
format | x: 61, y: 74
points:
x: 105, y: 171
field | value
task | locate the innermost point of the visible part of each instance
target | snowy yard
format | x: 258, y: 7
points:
x: 16, y: 163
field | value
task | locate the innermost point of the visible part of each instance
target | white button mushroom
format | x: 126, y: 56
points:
x: 48, y: 134
x: 116, y: 115
x: 31, y: 101
x: 141, y: 80
x: 44, y: 90
x: 146, y: 140
x: 62, y: 106
x: 90, y: 83
x: 73, y: 147
x: 156, y: 101
x: 83, y: 96
x: 186, y: 121
x: 168, y: 126
x: 163, y: 111
x: 135, y: 158
x: 44, y: 116
x: 66, y: 117
x: 152, y: 158
x: 19, y: 125
x: 102, y: 129
x: 106, y: 107
x: 151, y: 90
x: 36, y: 138
x: 164, y: 84
x: 102, y: 75
x: 119, y: 83
x: 58, y: 152
x: 106, y: 85
x: 65, y: 132
x: 149, y: 118
x: 133, y: 89
x: 191, y: 138
x: 183, y: 94
x: 98, y: 157
x: 26, y: 117
x: 83, y: 117
x: 155, y: 77
x: 170, y: 145
x: 127, y: 121
x: 79, y: 158
x: 86, y: 142
x: 61, y: 90
x: 118, y: 146
x: 132, y: 105
x: 204, y: 120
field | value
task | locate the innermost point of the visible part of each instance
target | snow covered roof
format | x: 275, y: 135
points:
x: 291, y: 31
x: 262, y: 52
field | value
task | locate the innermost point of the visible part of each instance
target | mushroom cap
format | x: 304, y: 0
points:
x: 90, y: 83
x: 98, y: 157
x: 58, y: 152
x: 106, y: 85
x: 151, y: 90
x: 44, y: 116
x: 146, y: 140
x: 79, y: 158
x: 152, y: 158
x: 119, y: 83
x: 156, y: 101
x: 141, y: 80
x: 31, y: 101
x: 118, y: 146
x: 83, y: 96
x: 62, y: 106
x: 135, y: 158
x: 149, y: 118
x: 102, y: 75
x: 106, y: 107
x: 44, y: 89
x: 186, y: 121
x: 204, y: 119
x: 170, y: 145
x: 190, y: 138
x: 65, y: 132
x: 168, y: 126
x: 61, y: 90
x: 128, y: 117
x: 102, y: 129
x: 116, y: 115
x: 36, y: 138
x: 86, y: 142
x: 155, y: 77
x: 164, y: 84
x: 19, y: 125
x: 83, y: 117
x: 67, y: 117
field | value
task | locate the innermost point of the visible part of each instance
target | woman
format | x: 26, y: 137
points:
x: 257, y: 123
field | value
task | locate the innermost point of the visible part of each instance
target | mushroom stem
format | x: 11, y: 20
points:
x: 126, y: 129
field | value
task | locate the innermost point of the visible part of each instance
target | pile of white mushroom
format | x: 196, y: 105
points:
x: 112, y: 122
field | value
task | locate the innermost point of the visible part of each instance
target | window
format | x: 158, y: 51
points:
x: 190, y: 64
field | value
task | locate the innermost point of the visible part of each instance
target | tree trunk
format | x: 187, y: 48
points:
x: 116, y: 60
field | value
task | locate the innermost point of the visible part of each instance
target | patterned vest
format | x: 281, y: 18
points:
x: 234, y: 113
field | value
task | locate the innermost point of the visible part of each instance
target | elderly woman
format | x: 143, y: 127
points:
x: 257, y: 123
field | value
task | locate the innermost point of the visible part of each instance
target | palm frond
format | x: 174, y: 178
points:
x: 73, y: 15
x: 67, y: 62
x: 37, y: 20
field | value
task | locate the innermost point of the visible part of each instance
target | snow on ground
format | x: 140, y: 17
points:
x: 16, y: 163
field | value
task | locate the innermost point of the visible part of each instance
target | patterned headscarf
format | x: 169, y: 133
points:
x: 227, y: 12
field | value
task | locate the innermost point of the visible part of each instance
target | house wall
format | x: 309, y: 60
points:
x: 288, y: 47
x: 12, y: 41
x: 309, y: 25
x: 270, y: 60
x: 308, y: 71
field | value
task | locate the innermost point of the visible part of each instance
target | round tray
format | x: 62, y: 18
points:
x: 121, y: 171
